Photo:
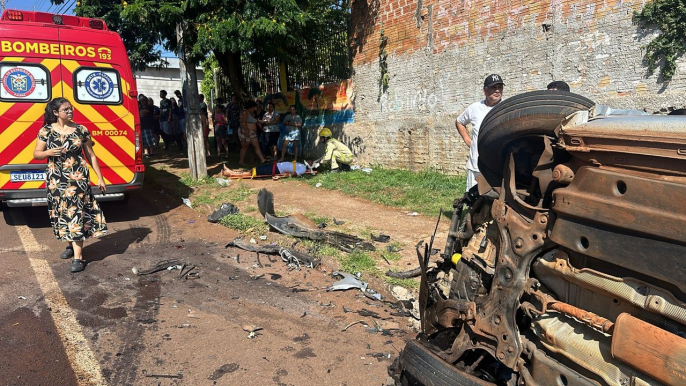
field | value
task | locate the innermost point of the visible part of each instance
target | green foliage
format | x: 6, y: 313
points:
x: 357, y: 261
x: 245, y: 224
x: 209, y: 65
x: 423, y: 192
x: 140, y: 41
x: 391, y: 256
x: 317, y: 219
x: 188, y: 181
x: 259, y: 29
x: 383, y: 64
x: 407, y: 283
x: 669, y: 17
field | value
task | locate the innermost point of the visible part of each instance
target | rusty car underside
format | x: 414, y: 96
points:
x: 567, y: 266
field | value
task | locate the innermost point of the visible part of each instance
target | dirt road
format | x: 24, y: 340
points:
x: 108, y: 326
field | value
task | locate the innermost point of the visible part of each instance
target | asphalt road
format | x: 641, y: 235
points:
x: 108, y: 326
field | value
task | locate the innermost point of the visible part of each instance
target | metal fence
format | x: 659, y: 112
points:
x: 322, y: 59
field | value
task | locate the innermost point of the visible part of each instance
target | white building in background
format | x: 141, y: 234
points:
x: 152, y: 80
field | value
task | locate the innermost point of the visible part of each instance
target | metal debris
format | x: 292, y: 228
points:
x: 349, y: 281
x: 160, y: 266
x: 177, y: 376
x: 354, y: 323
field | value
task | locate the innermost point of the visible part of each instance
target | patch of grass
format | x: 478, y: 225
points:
x: 357, y: 261
x: 317, y: 219
x: 250, y: 209
x: 424, y: 192
x: 319, y: 249
x: 188, y: 181
x: 245, y: 224
x: 406, y: 283
x: 391, y: 256
x: 238, y: 193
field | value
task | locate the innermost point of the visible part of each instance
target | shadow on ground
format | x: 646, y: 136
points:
x: 115, y: 243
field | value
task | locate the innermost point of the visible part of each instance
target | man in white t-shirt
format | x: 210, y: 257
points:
x: 474, y: 114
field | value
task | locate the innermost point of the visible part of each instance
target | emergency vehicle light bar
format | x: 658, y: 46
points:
x: 49, y: 18
x: 14, y: 15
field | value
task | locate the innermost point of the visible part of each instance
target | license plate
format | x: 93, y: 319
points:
x: 29, y: 175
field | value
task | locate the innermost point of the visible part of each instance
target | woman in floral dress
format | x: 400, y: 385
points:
x: 74, y: 213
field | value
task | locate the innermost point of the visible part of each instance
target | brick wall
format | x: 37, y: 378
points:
x: 439, y: 52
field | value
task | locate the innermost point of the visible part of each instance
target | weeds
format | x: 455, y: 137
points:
x: 406, y: 283
x: 424, y: 192
x: 245, y: 224
x: 188, y: 181
x: 316, y: 218
x: 357, y: 261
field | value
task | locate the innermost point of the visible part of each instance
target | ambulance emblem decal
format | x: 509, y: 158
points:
x: 99, y: 85
x: 19, y: 82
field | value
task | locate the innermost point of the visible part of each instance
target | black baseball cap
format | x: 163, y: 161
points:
x: 492, y: 80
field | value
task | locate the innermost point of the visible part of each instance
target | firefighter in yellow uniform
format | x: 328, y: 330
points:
x: 337, y: 153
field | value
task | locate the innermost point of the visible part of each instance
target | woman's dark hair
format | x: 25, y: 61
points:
x: 249, y: 104
x: 54, y: 105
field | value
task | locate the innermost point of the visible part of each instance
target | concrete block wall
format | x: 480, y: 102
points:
x: 439, y: 52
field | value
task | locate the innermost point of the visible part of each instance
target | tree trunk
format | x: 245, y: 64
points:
x: 231, y: 66
x: 194, y: 135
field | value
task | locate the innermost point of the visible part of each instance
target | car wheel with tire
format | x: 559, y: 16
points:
x: 530, y: 114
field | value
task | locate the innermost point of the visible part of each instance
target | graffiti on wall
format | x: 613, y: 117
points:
x: 327, y: 104
x: 421, y: 99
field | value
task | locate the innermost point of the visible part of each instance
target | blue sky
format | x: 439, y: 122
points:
x: 67, y: 8
x: 42, y: 5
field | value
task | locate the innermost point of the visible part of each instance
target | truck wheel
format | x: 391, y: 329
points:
x: 530, y: 114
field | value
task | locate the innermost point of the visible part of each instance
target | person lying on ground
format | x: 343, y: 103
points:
x: 274, y: 170
x: 336, y: 152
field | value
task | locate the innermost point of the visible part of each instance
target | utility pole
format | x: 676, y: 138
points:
x: 194, y: 135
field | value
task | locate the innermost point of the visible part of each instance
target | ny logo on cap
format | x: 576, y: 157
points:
x: 495, y: 78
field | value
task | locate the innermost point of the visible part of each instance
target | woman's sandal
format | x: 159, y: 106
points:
x: 78, y: 265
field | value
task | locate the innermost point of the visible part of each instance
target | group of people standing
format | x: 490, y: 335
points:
x: 166, y: 121
x: 256, y: 127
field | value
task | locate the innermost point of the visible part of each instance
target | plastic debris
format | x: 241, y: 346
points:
x: 21, y: 297
x: 225, y: 209
x: 318, y: 185
x: 381, y: 238
x: 413, y: 214
x: 223, y: 181
x: 263, y: 237
x: 253, y: 241
x: 251, y: 330
x: 187, y: 202
x: 367, y: 170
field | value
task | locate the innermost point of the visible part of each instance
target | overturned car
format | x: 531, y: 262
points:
x: 567, y: 265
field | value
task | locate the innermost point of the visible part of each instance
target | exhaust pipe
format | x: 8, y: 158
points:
x: 650, y: 349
